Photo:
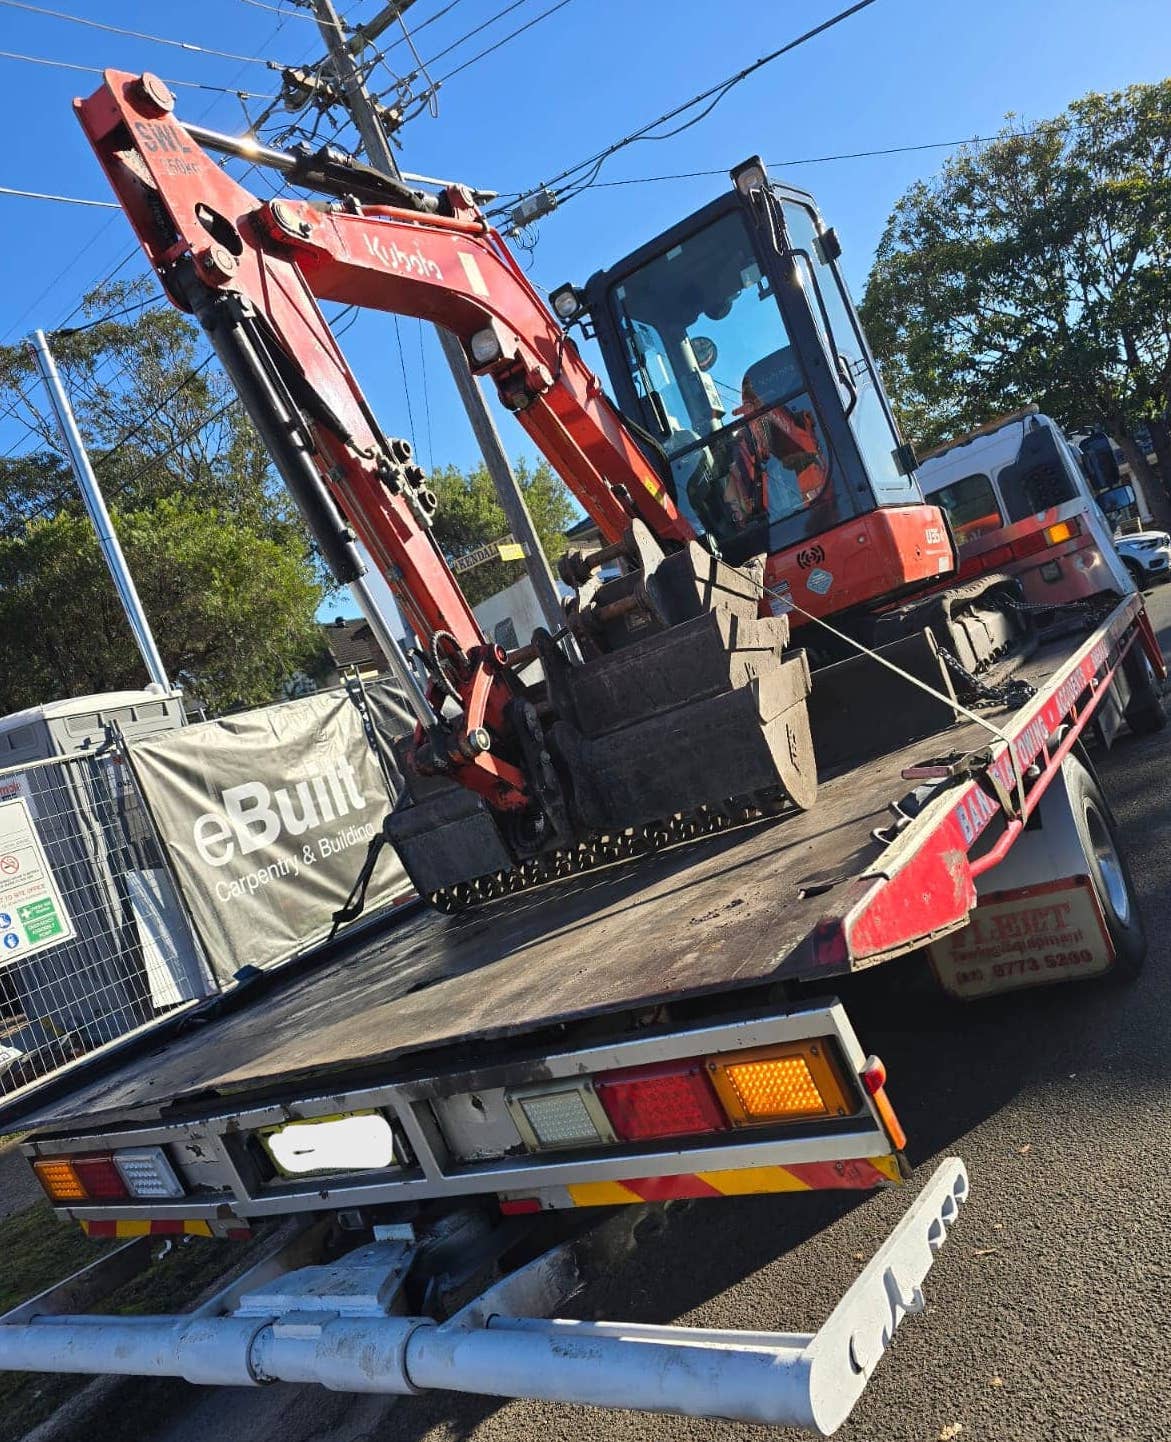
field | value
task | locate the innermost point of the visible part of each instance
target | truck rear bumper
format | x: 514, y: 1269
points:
x: 331, y: 1324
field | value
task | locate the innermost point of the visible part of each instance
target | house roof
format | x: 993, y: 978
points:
x: 350, y: 641
x: 587, y: 529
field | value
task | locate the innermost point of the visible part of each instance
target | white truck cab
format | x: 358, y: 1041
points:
x: 1019, y: 501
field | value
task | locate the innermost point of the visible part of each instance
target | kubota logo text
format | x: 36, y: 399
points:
x: 413, y: 263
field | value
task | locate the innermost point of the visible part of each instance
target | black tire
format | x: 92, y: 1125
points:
x: 1144, y: 710
x: 1137, y: 574
x: 1108, y: 871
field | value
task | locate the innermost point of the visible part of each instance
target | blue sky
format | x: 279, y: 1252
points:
x: 902, y: 73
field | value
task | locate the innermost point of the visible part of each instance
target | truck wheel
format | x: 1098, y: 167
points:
x: 1109, y: 874
x: 1144, y: 711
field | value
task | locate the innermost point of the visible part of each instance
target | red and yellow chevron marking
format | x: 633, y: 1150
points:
x: 860, y: 1174
x: 124, y: 1228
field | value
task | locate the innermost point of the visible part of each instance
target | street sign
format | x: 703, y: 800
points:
x: 506, y: 549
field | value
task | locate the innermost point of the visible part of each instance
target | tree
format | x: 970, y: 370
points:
x: 1036, y: 268
x: 232, y: 610
x: 220, y: 558
x: 469, y: 515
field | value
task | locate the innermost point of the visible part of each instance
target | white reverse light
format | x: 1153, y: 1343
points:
x: 363, y: 1142
x: 147, y: 1173
x: 561, y: 1117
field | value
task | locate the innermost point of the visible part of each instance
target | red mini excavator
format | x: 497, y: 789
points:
x: 751, y: 439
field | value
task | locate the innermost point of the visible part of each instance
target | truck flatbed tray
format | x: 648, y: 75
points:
x: 809, y: 896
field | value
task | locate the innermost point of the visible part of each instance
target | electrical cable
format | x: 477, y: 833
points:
x: 134, y: 307
x: 182, y: 385
x: 406, y: 387
x: 66, y: 199
x: 132, y: 34
x: 95, y: 70
x: 491, y: 20
x: 299, y: 14
x: 512, y: 35
x: 422, y: 25
x: 147, y: 303
x: 426, y: 398
x: 713, y: 95
x: 815, y: 159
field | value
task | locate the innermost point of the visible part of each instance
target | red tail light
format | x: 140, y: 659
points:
x: 668, y: 1100
x: 100, y: 1178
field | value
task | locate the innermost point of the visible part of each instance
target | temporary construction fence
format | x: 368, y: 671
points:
x: 146, y: 875
x: 93, y: 940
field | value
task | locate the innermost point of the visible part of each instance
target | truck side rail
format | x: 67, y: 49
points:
x: 924, y: 884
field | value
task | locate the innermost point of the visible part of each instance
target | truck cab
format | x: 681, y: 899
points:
x: 1018, y: 501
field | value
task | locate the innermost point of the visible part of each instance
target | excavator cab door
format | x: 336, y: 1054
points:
x: 733, y: 341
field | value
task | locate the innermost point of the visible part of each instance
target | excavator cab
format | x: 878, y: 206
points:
x: 732, y: 343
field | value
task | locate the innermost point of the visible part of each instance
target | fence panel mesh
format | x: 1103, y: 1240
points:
x: 132, y: 957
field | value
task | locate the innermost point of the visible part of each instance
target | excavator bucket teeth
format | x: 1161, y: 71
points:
x: 685, y: 714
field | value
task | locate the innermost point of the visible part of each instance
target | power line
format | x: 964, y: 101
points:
x: 491, y: 20
x: 815, y: 159
x: 124, y: 440
x: 402, y: 360
x: 512, y: 35
x: 713, y: 95
x: 94, y: 70
x: 182, y: 440
x: 405, y: 38
x: 67, y: 199
x: 132, y: 34
x: 426, y: 398
x: 422, y: 25
x: 146, y: 303
x: 299, y: 14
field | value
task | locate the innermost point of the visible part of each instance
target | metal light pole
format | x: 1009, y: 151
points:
x: 380, y: 155
x: 95, y: 505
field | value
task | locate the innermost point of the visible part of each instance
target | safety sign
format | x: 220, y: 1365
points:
x: 32, y: 914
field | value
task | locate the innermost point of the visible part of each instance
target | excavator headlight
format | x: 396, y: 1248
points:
x: 485, y: 346
x: 750, y: 175
x: 567, y: 302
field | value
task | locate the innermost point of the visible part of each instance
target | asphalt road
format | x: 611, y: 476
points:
x: 1048, y: 1309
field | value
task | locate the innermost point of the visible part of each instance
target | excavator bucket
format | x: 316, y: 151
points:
x: 682, y: 706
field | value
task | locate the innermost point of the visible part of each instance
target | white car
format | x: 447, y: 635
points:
x: 1146, y: 555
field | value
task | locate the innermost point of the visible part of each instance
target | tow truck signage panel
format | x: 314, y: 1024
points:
x: 1037, y: 934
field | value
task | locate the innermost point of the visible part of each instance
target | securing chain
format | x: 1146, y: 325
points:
x: 1011, y: 693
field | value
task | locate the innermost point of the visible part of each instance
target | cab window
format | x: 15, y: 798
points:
x: 971, y: 507
x: 720, y: 387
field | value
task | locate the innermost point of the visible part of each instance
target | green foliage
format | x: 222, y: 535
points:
x: 219, y: 556
x: 1035, y: 268
x: 469, y: 515
x: 232, y: 609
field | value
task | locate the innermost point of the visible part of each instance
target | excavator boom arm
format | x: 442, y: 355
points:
x: 283, y: 256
